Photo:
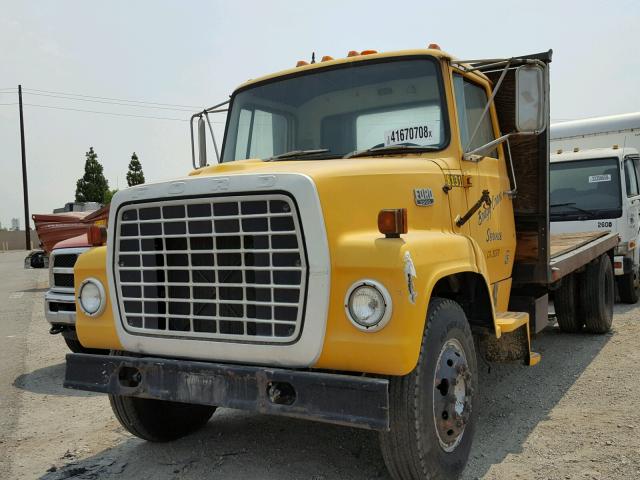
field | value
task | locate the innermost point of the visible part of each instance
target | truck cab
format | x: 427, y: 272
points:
x: 367, y: 220
x: 597, y: 190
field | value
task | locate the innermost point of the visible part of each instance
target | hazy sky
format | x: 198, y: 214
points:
x: 195, y: 53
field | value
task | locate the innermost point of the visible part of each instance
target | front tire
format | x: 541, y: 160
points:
x: 159, y: 420
x: 432, y: 418
x: 628, y: 287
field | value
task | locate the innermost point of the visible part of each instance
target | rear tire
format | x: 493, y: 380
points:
x: 431, y: 412
x: 628, y: 288
x: 597, y: 295
x: 565, y: 302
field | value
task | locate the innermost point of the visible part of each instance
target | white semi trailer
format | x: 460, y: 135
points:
x: 595, y: 186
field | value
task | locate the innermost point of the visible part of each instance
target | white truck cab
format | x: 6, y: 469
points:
x: 597, y: 190
x: 595, y: 173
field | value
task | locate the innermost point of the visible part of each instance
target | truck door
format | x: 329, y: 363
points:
x: 492, y: 226
x: 631, y: 214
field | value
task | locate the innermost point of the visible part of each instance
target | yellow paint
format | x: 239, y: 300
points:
x: 100, y: 331
x: 352, y: 192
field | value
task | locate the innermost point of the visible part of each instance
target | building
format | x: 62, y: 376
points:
x: 78, y: 207
x: 15, y: 224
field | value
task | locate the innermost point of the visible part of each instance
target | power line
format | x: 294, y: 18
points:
x: 109, y: 102
x: 110, y: 113
x: 105, y: 113
x: 111, y: 98
x: 14, y: 103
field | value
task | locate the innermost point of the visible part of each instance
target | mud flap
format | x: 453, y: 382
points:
x: 513, y: 343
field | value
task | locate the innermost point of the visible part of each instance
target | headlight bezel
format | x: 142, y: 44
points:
x: 101, y: 292
x: 387, y: 303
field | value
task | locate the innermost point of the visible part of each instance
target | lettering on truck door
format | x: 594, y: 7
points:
x: 492, y: 226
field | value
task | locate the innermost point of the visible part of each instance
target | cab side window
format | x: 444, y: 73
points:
x: 470, y: 102
x: 630, y: 177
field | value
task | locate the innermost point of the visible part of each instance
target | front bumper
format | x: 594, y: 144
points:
x: 59, y: 308
x: 326, y: 397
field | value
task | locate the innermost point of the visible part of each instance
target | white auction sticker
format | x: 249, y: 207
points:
x: 599, y: 178
x: 417, y: 135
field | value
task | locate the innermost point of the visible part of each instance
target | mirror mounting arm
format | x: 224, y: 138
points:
x: 201, y: 136
x: 489, y: 102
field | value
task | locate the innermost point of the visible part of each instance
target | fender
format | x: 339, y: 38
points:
x: 394, y: 349
x: 99, y: 331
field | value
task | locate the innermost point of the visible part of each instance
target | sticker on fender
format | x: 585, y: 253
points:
x: 417, y: 135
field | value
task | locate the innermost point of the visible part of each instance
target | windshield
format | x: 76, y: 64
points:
x: 351, y: 107
x: 588, y: 188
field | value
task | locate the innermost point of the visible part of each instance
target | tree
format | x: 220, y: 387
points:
x: 109, y: 195
x: 93, y: 186
x: 135, y: 175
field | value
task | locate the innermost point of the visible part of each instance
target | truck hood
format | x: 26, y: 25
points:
x: 322, y: 169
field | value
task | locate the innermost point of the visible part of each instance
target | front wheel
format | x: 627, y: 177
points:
x: 432, y: 419
x: 628, y: 287
x: 159, y: 420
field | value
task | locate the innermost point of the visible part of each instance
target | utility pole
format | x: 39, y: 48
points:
x: 25, y: 191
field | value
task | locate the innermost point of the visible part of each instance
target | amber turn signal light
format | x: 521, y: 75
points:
x: 97, y: 235
x: 393, y: 222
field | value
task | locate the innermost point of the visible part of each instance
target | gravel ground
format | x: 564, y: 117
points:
x: 576, y: 415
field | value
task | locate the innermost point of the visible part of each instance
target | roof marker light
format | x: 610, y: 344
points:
x: 433, y: 46
x: 301, y: 63
x: 616, y: 146
x: 576, y: 149
x: 327, y: 58
x: 368, y: 52
x: 353, y: 53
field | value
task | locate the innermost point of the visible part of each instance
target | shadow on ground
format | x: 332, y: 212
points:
x: 239, y: 445
x: 47, y: 381
x: 34, y: 290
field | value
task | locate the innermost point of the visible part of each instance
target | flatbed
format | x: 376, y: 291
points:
x: 571, y: 251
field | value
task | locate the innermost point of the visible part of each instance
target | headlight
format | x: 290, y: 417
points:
x: 368, y: 305
x: 91, y: 297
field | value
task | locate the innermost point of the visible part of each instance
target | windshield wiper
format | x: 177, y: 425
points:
x: 390, y: 149
x: 572, y: 205
x: 296, y: 153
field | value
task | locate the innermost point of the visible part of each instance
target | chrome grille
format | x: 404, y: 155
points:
x: 65, y: 260
x: 217, y: 268
x: 61, y: 268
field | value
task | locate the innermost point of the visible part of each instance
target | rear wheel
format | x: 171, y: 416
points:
x: 431, y: 411
x: 565, y: 302
x: 596, y: 294
x: 628, y: 287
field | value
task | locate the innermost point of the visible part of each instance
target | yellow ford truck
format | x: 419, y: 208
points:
x: 366, y: 220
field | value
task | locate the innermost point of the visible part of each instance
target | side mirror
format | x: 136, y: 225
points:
x: 202, y: 143
x: 531, y: 102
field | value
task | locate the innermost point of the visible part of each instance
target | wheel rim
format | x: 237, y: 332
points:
x: 451, y: 395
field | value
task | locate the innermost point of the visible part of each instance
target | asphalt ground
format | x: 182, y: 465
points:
x: 575, y: 415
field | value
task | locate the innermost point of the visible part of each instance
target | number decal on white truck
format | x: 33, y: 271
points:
x: 599, y: 178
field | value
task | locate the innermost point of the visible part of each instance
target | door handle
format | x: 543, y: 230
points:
x: 484, y: 199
